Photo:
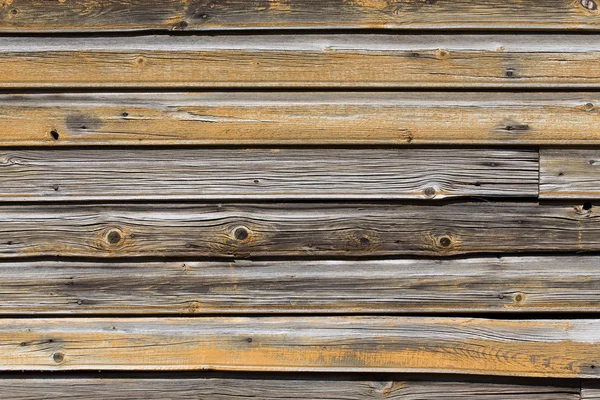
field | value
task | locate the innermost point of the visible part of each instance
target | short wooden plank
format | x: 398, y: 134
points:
x: 301, y: 61
x: 569, y: 174
x: 590, y: 390
x: 295, y: 229
x: 542, y: 348
x: 117, y: 15
x: 506, y: 284
x: 299, y: 118
x: 284, y: 173
x: 292, y: 387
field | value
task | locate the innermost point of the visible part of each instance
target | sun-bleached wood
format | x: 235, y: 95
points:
x: 255, y: 173
x: 238, y: 230
x: 504, y: 284
x: 569, y: 174
x: 261, y: 118
x: 528, y: 348
x: 201, y: 15
x: 301, y: 61
x: 271, y: 386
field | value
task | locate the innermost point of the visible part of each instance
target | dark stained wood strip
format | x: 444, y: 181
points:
x: 295, y: 229
x: 299, y: 119
x: 119, y: 15
x: 507, y: 284
x: 569, y: 174
x: 168, y: 174
x: 543, y: 348
x: 294, y: 388
x: 302, y: 61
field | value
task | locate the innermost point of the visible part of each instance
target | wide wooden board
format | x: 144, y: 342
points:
x: 543, y: 348
x: 236, y: 230
x: 259, y: 118
x: 119, y: 15
x: 294, y: 387
x: 504, y: 284
x: 322, y: 173
x: 301, y: 61
x: 569, y: 174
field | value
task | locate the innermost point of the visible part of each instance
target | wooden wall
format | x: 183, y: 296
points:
x: 303, y: 199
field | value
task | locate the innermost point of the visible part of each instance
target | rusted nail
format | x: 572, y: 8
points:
x: 510, y: 72
x: 249, y: 340
x: 429, y: 192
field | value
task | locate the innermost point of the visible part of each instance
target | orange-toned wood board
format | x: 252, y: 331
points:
x: 542, y: 348
x: 301, y: 61
x: 205, y: 15
x: 300, y: 118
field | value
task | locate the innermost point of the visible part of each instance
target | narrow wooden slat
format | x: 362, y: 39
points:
x: 115, y: 15
x: 543, y: 348
x: 266, y: 174
x: 311, y: 61
x: 299, y: 118
x: 569, y: 174
x: 508, y: 284
x: 295, y: 229
x: 293, y: 387
x: 590, y: 390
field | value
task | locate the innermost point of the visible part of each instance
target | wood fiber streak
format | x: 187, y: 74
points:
x: 569, y: 174
x: 119, y: 15
x: 302, y: 61
x: 295, y: 229
x: 507, y: 284
x: 299, y: 119
x: 543, y: 348
x: 266, y: 174
x: 275, y: 389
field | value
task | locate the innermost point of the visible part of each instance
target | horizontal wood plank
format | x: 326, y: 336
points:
x: 116, y: 15
x: 569, y: 174
x: 168, y: 174
x: 301, y: 61
x: 507, y: 284
x: 295, y: 229
x: 299, y: 119
x: 292, y: 387
x: 543, y: 348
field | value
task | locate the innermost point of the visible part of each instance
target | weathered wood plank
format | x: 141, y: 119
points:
x: 543, y: 348
x: 111, y: 15
x: 590, y: 390
x: 299, y: 118
x: 569, y: 174
x: 285, y: 173
x: 508, y: 284
x: 305, y: 387
x: 308, y: 61
x: 295, y: 229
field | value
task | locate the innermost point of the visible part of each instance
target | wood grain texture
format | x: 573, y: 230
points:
x: 301, y: 61
x: 116, y: 15
x: 299, y: 119
x: 543, y: 348
x: 295, y: 229
x: 294, y: 388
x: 569, y: 174
x: 166, y: 174
x: 506, y: 284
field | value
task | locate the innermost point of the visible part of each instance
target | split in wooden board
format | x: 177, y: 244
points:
x: 259, y: 118
x: 551, y: 283
x: 301, y: 61
x: 199, y: 15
